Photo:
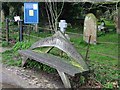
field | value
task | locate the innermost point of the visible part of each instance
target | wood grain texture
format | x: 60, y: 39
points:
x: 60, y: 41
x: 52, y: 61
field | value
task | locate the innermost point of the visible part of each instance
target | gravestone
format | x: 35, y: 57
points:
x: 90, y: 28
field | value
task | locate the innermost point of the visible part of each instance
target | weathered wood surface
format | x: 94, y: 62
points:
x: 90, y: 28
x: 59, y: 41
x: 53, y: 61
x: 65, y: 79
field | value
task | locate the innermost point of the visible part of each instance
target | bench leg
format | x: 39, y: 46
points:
x: 65, y: 79
x: 24, y: 59
x: 49, y: 49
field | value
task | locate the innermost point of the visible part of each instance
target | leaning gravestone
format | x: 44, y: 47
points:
x: 90, y: 28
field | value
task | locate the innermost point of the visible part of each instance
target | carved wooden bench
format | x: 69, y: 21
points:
x: 56, y: 62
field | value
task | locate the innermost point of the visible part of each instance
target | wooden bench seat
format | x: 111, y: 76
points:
x: 50, y: 60
x: 59, y: 64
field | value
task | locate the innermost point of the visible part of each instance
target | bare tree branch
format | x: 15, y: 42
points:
x: 60, y: 10
x: 48, y: 17
x: 52, y: 12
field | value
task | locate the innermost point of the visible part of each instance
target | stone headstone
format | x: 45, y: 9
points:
x: 2, y: 15
x: 90, y: 28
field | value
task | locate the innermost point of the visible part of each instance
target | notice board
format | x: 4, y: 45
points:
x: 31, y: 13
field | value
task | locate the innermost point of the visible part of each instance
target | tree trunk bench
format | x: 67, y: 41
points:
x: 53, y: 61
x: 61, y: 65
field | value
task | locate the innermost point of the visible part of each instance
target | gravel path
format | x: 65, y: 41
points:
x: 3, y: 49
x: 36, y: 78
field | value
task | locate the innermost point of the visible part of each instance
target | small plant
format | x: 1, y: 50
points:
x: 109, y: 85
x: 8, y: 58
x: 82, y: 79
x: 21, y: 45
x: 4, y: 43
x: 38, y: 65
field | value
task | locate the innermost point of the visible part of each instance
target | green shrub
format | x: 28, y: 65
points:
x: 10, y: 58
x: 38, y: 65
x: 109, y: 85
x: 4, y: 43
x: 21, y: 45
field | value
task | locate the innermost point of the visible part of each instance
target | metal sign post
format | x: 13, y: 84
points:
x: 20, y: 31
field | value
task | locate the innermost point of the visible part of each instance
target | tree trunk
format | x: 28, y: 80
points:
x: 118, y: 26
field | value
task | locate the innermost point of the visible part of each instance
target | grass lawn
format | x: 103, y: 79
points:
x: 103, y: 57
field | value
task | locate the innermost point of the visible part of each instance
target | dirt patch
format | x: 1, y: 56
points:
x: 4, y: 49
x: 37, y: 78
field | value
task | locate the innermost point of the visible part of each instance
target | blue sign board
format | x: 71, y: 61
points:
x: 31, y: 13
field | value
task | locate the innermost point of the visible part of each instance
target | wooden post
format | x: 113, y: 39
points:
x: 7, y: 30
x: 118, y: 43
x: 36, y: 27
x: 0, y: 10
x: 0, y: 26
x: 29, y: 28
x: 86, y: 57
x: 20, y: 31
x: 118, y: 21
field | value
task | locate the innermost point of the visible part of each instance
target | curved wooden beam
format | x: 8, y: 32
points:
x: 59, y: 41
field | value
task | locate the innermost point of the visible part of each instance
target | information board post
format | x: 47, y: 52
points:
x: 20, y: 31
